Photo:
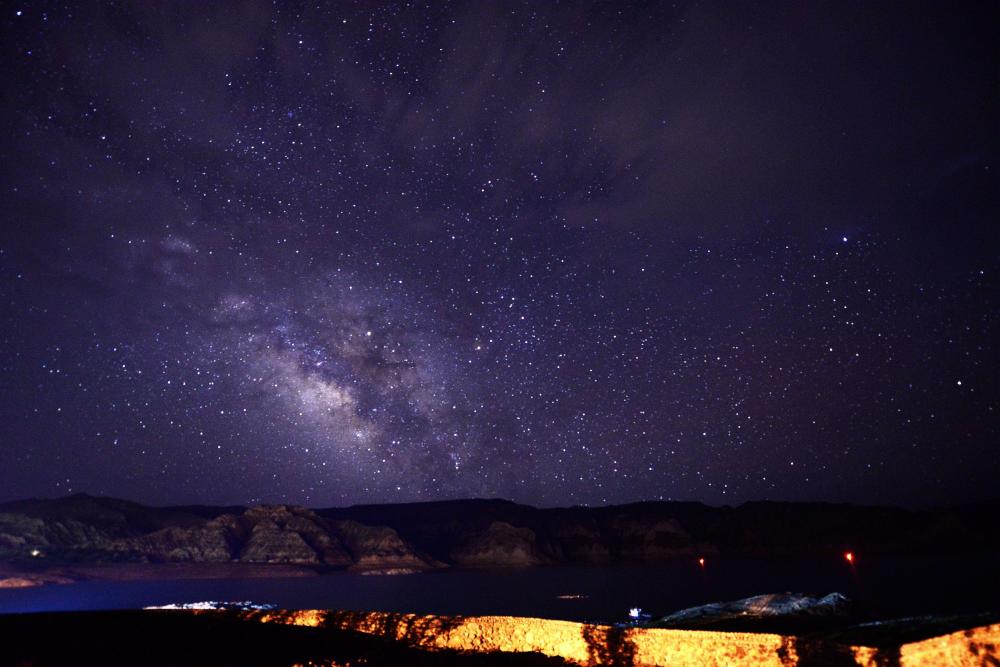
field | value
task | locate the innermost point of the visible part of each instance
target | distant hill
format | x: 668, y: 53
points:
x: 473, y: 533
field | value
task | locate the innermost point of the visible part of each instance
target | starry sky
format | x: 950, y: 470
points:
x: 560, y: 253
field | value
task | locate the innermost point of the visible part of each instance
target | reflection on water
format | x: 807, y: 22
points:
x: 887, y: 586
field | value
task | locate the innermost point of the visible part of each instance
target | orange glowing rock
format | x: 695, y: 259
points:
x: 589, y: 645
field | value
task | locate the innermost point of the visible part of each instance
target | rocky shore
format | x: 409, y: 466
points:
x: 941, y: 642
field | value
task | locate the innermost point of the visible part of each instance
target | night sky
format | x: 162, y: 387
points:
x: 560, y: 253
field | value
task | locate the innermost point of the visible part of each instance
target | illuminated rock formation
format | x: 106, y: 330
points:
x: 589, y: 645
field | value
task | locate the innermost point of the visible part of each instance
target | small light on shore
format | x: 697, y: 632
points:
x: 36, y: 553
x: 849, y: 557
x: 701, y: 561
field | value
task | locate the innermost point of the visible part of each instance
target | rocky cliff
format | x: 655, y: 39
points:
x: 473, y: 533
x: 591, y: 645
x: 87, y: 529
x: 491, y: 533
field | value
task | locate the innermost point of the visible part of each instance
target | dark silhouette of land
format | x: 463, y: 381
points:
x: 83, y: 529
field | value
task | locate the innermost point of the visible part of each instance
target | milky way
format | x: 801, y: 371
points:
x: 560, y: 254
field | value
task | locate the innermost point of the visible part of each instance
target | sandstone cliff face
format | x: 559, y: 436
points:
x: 583, y: 542
x: 651, y: 539
x: 282, y: 534
x: 270, y: 543
x: 500, y: 545
x: 265, y: 534
x: 25, y: 533
x: 379, y: 548
x: 208, y: 544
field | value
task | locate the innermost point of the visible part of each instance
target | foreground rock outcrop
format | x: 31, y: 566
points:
x: 587, y: 645
x: 172, y: 638
x: 341, y: 639
x: 773, y: 606
x: 332, y: 638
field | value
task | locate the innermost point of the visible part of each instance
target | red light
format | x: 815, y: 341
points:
x: 701, y: 562
x: 849, y: 557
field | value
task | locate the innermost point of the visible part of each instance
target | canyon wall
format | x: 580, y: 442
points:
x: 474, y: 533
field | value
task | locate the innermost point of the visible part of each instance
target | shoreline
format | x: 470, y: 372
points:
x: 12, y: 576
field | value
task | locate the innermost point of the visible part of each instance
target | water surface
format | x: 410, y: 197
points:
x: 889, y: 587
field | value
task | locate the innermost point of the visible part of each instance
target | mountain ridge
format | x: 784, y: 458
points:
x: 472, y: 533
